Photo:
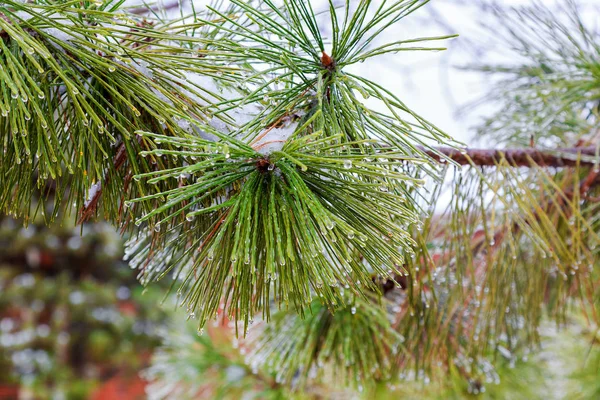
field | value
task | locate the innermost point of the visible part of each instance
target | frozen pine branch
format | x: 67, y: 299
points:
x: 238, y: 153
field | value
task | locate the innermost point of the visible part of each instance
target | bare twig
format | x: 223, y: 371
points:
x: 92, y: 203
x: 564, y: 157
x: 144, y: 10
x: 3, y: 33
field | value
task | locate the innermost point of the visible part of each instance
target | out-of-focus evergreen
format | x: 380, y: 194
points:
x: 566, y: 365
x: 72, y: 314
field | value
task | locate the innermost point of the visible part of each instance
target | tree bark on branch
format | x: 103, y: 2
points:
x: 521, y: 157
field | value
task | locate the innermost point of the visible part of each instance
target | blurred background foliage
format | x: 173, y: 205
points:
x: 72, y: 314
x: 75, y: 324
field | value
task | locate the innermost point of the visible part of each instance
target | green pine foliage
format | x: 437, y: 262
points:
x: 77, y: 80
x: 307, y: 218
x: 311, y: 193
x: 549, y: 90
x: 339, y: 349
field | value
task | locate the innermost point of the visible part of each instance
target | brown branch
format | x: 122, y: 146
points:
x: 563, y: 157
x: 92, y: 203
x: 144, y: 10
x: 3, y: 33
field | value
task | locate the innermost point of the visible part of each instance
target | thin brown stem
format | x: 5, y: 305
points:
x: 145, y: 10
x: 92, y: 204
x: 562, y: 157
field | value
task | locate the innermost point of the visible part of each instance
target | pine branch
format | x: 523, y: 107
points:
x: 310, y: 202
x: 525, y: 157
x: 314, y: 171
x: 357, y: 336
x: 76, y: 82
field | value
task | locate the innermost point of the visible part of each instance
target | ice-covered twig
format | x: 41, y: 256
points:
x: 522, y: 157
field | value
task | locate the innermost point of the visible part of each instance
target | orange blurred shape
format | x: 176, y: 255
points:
x: 121, y: 388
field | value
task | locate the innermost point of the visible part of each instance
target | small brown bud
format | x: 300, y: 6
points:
x: 327, y: 62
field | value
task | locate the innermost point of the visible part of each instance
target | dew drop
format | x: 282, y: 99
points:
x: 348, y: 164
